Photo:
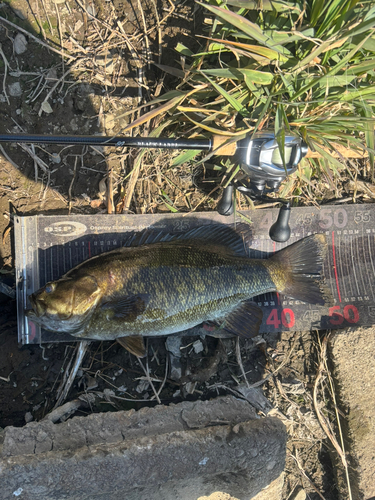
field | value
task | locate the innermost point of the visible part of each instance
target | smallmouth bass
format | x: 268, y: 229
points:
x: 172, y: 283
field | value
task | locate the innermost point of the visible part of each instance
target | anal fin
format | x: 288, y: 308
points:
x: 135, y: 345
x: 244, y: 320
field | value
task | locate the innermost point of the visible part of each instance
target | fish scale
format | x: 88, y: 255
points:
x: 197, y: 286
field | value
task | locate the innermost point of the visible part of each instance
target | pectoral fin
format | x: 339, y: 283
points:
x: 135, y: 345
x: 127, y: 308
x: 244, y: 320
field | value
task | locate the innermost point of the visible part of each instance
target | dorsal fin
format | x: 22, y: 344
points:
x: 232, y: 239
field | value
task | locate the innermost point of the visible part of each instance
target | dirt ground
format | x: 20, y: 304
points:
x: 44, y: 95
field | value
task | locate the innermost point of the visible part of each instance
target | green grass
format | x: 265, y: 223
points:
x: 302, y: 66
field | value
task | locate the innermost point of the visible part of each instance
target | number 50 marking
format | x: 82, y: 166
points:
x: 339, y: 218
x: 350, y: 313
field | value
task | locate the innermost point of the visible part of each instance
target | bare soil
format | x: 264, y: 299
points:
x: 91, y: 100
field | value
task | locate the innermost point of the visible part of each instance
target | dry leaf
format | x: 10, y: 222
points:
x: 6, y: 233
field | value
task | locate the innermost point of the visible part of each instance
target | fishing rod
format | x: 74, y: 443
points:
x: 259, y: 156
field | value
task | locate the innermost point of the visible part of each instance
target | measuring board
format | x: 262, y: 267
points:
x: 49, y: 246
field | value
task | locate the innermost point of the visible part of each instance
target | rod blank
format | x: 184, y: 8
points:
x: 117, y: 141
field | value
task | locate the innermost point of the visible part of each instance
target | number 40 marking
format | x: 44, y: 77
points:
x: 287, y: 318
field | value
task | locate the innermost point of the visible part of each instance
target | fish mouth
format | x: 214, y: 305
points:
x: 38, y: 307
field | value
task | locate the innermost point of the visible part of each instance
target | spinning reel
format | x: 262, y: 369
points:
x: 259, y: 156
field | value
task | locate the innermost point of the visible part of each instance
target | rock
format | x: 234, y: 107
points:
x: 15, y: 89
x: 354, y: 372
x: 273, y: 491
x: 20, y: 44
x: 183, y: 451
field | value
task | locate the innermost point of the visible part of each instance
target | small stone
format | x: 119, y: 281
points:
x: 51, y: 76
x: 46, y: 107
x: 142, y: 386
x: 301, y: 495
x: 15, y: 89
x: 198, y: 346
x: 20, y: 44
x: 56, y: 158
x: 173, y: 345
x: 28, y: 417
x: 189, y: 387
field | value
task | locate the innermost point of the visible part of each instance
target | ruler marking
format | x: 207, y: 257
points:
x: 57, y: 262
x: 353, y: 264
x: 367, y: 271
x: 329, y: 272
x: 340, y: 265
x: 89, y: 249
x: 334, y: 265
x: 277, y: 293
x: 360, y: 263
x: 369, y: 249
x: 51, y: 262
x: 45, y: 270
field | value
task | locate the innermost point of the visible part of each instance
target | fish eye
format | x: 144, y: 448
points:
x: 49, y: 288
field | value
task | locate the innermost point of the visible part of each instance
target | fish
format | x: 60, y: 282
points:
x: 161, y: 284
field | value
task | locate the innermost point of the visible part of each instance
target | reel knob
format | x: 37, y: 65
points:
x: 225, y: 205
x: 280, y: 231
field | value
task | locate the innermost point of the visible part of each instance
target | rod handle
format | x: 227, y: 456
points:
x: 222, y: 147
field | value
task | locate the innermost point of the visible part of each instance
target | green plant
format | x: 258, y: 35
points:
x: 306, y: 66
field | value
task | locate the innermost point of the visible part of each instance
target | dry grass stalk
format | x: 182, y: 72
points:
x: 68, y: 378
x: 303, y: 473
x: 6, y: 65
x: 239, y: 360
x: 147, y: 373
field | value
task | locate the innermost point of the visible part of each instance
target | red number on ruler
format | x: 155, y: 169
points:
x: 350, y: 313
x: 284, y: 319
x: 287, y: 318
x: 337, y: 318
x: 273, y: 319
x: 354, y: 311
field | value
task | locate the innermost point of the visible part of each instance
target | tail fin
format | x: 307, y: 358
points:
x: 297, y: 270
